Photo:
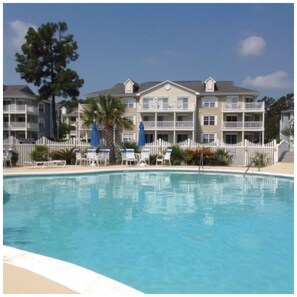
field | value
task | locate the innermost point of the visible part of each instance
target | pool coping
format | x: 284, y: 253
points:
x: 80, y: 279
x: 72, y: 276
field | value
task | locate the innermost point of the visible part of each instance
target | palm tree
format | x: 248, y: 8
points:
x: 108, y: 111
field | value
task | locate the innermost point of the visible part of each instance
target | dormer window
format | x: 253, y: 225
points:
x: 129, y: 86
x: 210, y: 85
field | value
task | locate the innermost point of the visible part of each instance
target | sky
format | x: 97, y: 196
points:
x: 250, y: 44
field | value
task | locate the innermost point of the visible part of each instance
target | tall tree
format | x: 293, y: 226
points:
x: 107, y: 111
x: 273, y: 109
x: 44, y: 60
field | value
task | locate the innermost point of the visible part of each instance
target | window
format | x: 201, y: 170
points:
x: 206, y: 138
x: 209, y: 120
x: 182, y: 102
x: 232, y: 99
x: 41, y: 107
x: 209, y: 101
x: 41, y: 123
x: 231, y: 138
x: 131, y: 118
x: 182, y: 137
x: 147, y: 102
x: 163, y: 137
x: 128, y: 137
x: 163, y: 102
x: 231, y: 118
x: 129, y: 102
x: 149, y: 138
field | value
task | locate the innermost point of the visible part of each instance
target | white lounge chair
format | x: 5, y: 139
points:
x: 130, y: 157
x: 92, y: 157
x: 144, y: 157
x: 103, y: 156
x: 163, y: 159
x: 79, y: 159
x: 123, y: 156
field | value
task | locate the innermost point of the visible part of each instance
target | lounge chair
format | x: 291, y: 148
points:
x: 163, y: 159
x: 103, y: 156
x: 123, y: 156
x: 7, y: 158
x: 130, y: 157
x: 92, y: 157
x: 144, y: 157
x: 79, y: 159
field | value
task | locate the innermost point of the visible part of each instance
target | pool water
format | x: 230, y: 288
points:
x: 160, y: 232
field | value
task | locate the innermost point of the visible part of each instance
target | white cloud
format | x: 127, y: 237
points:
x: 276, y: 80
x: 19, y: 30
x: 252, y: 46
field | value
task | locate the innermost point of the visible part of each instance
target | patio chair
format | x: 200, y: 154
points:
x: 163, y: 159
x: 123, y: 156
x: 7, y: 158
x: 92, y: 157
x: 79, y: 159
x: 144, y: 157
x: 130, y: 157
x: 103, y: 156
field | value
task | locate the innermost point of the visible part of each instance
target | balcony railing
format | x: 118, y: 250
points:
x: 153, y: 125
x: 15, y: 108
x: 241, y: 106
x: 147, y: 107
x: 257, y: 125
x: 20, y: 126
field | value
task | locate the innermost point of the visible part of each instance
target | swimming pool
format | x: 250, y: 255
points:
x: 160, y: 232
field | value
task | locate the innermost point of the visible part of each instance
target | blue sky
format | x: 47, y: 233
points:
x: 250, y: 44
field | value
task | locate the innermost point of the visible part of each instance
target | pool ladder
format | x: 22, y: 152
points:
x: 201, y: 162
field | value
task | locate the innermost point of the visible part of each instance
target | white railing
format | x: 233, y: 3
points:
x: 22, y: 108
x: 165, y: 107
x: 241, y: 106
x: 21, y: 125
x: 249, y: 125
x: 168, y: 125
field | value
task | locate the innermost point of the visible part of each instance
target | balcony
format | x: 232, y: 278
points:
x: 168, y: 125
x: 155, y: 107
x: 23, y: 109
x: 243, y: 107
x: 20, y: 126
x: 247, y: 126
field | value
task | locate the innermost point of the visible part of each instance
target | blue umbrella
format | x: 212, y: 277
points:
x: 94, y: 135
x: 141, y: 139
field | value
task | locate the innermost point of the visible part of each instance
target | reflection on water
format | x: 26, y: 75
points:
x: 129, y: 194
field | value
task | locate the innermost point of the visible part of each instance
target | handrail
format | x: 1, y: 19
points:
x: 249, y: 166
x: 201, y: 161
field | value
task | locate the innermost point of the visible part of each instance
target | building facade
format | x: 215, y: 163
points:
x: 24, y: 117
x: 203, y: 111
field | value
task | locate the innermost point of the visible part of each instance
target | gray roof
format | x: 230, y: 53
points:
x: 225, y: 87
x: 18, y: 91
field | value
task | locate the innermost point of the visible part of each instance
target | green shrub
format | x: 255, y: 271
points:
x: 65, y: 154
x: 177, y: 155
x: 260, y: 160
x: 221, y: 157
x: 40, y: 153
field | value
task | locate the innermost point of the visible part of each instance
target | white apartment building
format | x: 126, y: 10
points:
x: 174, y: 111
x: 24, y: 117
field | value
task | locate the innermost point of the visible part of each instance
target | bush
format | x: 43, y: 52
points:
x: 40, y: 153
x: 177, y: 155
x: 68, y: 155
x: 221, y: 157
x: 260, y: 160
x: 192, y: 156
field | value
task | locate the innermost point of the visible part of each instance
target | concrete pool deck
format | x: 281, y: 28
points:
x: 27, y: 273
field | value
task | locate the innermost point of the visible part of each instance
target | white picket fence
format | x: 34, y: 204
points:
x: 242, y: 152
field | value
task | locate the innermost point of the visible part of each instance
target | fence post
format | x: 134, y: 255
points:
x: 245, y: 153
x: 275, y: 152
